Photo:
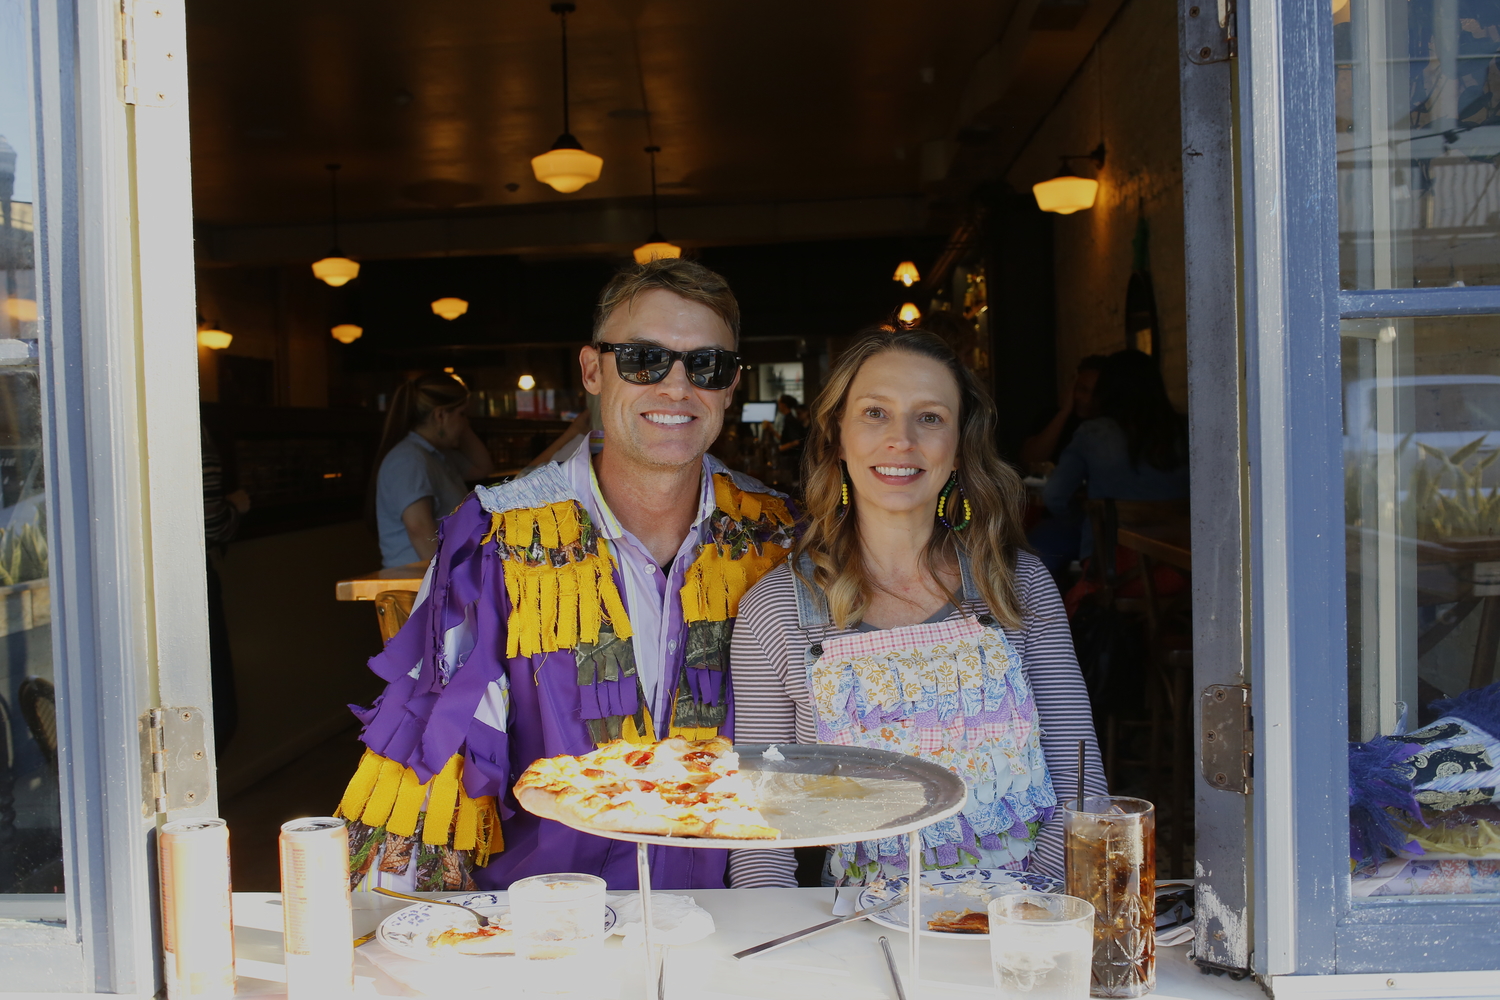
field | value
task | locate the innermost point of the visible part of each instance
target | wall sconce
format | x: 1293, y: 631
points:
x: 450, y: 308
x: 910, y: 315
x: 214, y: 340
x: 906, y: 273
x: 347, y: 333
x: 526, y: 383
x: 1067, y: 192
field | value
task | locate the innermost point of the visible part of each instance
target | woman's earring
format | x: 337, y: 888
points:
x: 947, y: 503
x: 844, y: 502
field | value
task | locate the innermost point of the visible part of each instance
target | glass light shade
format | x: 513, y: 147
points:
x: 1065, y: 195
x: 21, y: 310
x: 567, y: 169
x: 906, y: 273
x: 347, y: 333
x: 215, y: 340
x: 526, y: 383
x: 336, y: 271
x: 647, y: 252
x: 909, y: 314
x: 450, y: 308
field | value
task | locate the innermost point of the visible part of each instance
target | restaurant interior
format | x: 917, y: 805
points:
x: 804, y: 151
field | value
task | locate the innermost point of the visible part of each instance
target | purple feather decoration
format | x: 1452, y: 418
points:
x: 1380, y: 779
x: 1479, y: 707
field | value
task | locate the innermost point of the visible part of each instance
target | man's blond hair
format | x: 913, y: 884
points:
x: 686, y: 278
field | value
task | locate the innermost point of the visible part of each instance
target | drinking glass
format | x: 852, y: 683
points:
x: 1110, y: 844
x: 1041, y: 945
x: 557, y: 916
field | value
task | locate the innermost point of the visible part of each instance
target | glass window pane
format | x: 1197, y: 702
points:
x: 1418, y: 117
x: 30, y: 822
x: 1422, y: 508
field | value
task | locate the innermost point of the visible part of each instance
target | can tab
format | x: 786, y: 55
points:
x: 176, y: 769
x: 1228, y: 741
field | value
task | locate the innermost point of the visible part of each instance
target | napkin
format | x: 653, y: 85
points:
x: 674, y: 919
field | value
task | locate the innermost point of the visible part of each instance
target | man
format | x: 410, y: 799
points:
x: 587, y: 601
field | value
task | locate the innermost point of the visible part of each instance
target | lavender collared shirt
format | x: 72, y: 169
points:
x: 651, y: 595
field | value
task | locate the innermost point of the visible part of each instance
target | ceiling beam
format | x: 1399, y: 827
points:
x: 586, y: 228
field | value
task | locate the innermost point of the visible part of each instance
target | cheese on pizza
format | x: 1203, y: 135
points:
x: 674, y: 788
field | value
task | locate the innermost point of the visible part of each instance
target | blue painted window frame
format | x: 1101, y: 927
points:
x: 1306, y: 921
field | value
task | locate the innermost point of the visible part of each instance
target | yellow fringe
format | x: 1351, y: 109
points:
x: 556, y: 607
x: 630, y: 734
x: 384, y: 793
x: 715, y: 583
x: 442, y: 797
x: 408, y: 808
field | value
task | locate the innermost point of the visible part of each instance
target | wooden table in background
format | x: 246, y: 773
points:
x: 365, y: 587
x: 1166, y: 543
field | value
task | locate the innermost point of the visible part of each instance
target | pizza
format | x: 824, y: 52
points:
x: 491, y: 940
x: 673, y: 788
x: 954, y: 922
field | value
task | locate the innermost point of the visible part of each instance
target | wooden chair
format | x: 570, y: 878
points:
x: 393, y: 607
x: 1168, y: 678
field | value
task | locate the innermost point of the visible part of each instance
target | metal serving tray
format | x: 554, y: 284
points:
x: 821, y: 795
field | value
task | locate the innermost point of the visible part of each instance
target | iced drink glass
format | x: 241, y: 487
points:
x: 557, y: 916
x: 1041, y: 945
x: 1110, y: 844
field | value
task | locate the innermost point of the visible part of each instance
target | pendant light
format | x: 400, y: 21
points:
x: 909, y: 315
x: 347, y: 333
x: 656, y: 246
x: 335, y: 269
x: 1067, y: 192
x: 214, y: 340
x: 567, y: 166
x: 906, y: 273
x: 450, y: 308
x: 525, y: 383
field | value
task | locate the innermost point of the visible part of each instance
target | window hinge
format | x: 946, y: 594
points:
x: 152, y: 71
x: 1228, y: 743
x: 1208, y: 34
x: 176, y: 771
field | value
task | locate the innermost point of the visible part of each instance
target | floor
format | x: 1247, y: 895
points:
x: 309, y: 786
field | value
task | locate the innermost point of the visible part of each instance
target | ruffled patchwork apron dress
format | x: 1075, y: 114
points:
x: 951, y: 692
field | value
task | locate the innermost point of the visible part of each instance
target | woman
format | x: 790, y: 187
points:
x: 1134, y: 449
x: 924, y: 627
x: 427, y: 452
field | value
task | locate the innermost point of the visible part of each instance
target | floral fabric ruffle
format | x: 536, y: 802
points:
x: 953, y: 693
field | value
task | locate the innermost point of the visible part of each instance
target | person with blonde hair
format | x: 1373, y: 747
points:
x: 912, y: 618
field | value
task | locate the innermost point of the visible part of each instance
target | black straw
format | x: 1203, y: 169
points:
x: 1080, y: 775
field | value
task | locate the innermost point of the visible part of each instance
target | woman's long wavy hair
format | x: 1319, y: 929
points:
x: 831, y: 538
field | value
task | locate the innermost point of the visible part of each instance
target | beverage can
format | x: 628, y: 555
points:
x: 316, y: 911
x: 196, y: 909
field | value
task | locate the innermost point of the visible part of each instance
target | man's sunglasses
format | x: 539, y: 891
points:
x: 643, y: 364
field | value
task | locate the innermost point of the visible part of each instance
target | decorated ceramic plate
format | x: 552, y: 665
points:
x: 410, y: 932
x: 951, y: 892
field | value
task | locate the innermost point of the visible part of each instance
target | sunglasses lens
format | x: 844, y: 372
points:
x: 711, y: 369
x: 642, y: 365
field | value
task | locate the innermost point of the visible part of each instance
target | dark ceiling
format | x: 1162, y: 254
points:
x: 434, y: 109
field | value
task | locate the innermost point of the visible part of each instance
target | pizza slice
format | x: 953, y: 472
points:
x: 673, y: 788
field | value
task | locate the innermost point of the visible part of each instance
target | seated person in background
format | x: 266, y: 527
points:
x: 912, y: 553
x: 789, y: 430
x: 588, y: 601
x: 1046, y: 445
x: 1134, y: 449
x: 427, y: 451
x: 1056, y: 538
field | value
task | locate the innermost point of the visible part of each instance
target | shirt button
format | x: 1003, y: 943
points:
x: 987, y: 620
x: 672, y: 646
x: 816, y: 649
x: 650, y: 569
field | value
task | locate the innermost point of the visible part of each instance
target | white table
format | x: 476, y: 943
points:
x: 841, y: 964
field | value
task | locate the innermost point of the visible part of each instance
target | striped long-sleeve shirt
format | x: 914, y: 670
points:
x: 772, y: 703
